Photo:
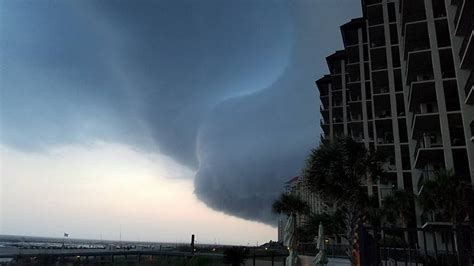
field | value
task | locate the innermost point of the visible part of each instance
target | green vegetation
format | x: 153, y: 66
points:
x: 336, y: 170
x: 332, y: 225
x: 290, y: 204
x: 448, y: 197
x: 397, y: 208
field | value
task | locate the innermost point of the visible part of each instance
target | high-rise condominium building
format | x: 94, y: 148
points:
x: 404, y: 84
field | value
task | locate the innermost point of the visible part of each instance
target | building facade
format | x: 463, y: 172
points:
x: 404, y: 85
x: 296, y: 186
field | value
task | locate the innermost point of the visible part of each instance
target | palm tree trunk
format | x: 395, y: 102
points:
x: 350, y: 221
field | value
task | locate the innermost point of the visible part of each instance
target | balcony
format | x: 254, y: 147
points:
x: 472, y: 130
x: 325, y: 102
x: 335, y: 62
x: 469, y: 89
x: 354, y: 98
x: 388, y: 180
x: 353, y: 56
x: 358, y: 137
x: 419, y: 66
x: 416, y: 37
x: 355, y: 117
x: 337, y: 120
x: 380, y: 82
x: 386, y: 191
x: 424, y: 176
x: 337, y: 104
x: 383, y: 114
x: 384, y: 139
x: 383, y: 90
x: 323, y: 92
x: 338, y: 130
x: 356, y: 132
x: 447, y: 64
x: 467, y: 51
x: 451, y: 95
x: 429, y: 149
x: 463, y: 17
x: 377, y: 36
x: 374, y: 15
x: 382, y: 106
x: 421, y: 91
x: 355, y: 108
x: 389, y: 167
x: 324, y: 113
x: 424, y: 122
x: 378, y: 57
x: 323, y: 85
x: 456, y: 130
x: 426, y: 118
x: 412, y: 11
x: 354, y: 73
x: 325, y: 128
x: 439, y: 8
x: 470, y: 95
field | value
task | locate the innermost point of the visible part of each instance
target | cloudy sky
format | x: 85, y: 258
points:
x: 160, y: 117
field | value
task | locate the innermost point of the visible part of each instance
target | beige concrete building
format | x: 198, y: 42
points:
x: 404, y: 84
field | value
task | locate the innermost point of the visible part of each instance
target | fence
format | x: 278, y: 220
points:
x: 435, y: 244
x: 332, y: 250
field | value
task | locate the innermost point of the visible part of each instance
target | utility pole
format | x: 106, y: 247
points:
x: 120, y: 235
x: 192, y: 244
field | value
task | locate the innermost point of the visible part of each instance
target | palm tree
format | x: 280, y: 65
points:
x: 397, y: 210
x: 449, y: 198
x: 446, y: 196
x: 332, y: 225
x: 336, y: 170
x: 398, y: 207
x: 290, y: 204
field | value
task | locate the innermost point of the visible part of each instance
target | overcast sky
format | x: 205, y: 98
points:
x: 162, y: 117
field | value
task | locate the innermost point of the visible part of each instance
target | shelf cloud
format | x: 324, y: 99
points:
x: 222, y: 87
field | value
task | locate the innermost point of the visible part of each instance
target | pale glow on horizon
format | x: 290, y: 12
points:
x: 101, y: 189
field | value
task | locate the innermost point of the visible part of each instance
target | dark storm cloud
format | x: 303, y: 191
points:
x: 225, y: 87
x: 264, y: 145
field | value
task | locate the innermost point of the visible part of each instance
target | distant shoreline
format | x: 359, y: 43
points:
x: 44, y: 239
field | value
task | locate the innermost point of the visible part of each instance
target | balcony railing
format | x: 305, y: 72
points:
x: 381, y: 90
x: 466, y: 40
x: 388, y: 139
x: 383, y: 113
x: 354, y: 98
x: 428, y: 141
x: 424, y: 176
x: 385, y: 191
x: 463, y: 17
x: 472, y: 130
x: 355, y: 117
x: 458, y: 11
x: 466, y: 51
x: 469, y: 89
x: 389, y: 167
x: 357, y: 138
